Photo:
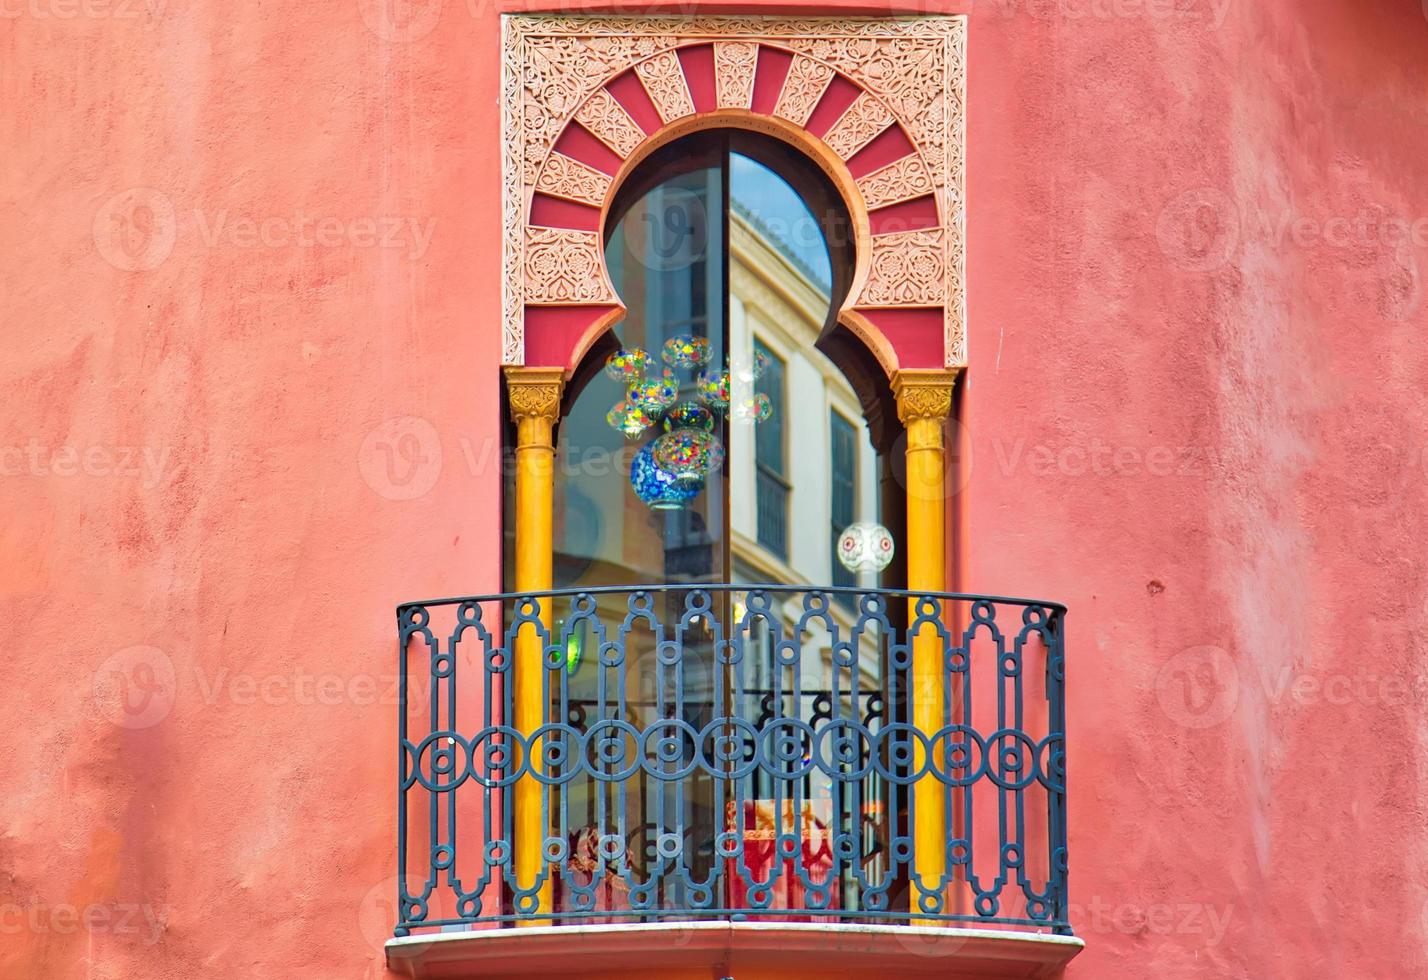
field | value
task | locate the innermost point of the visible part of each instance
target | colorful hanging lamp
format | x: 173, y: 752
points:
x: 658, y: 488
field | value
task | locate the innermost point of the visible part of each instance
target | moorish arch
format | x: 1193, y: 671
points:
x: 877, y: 105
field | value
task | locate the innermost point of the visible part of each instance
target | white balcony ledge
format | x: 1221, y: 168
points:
x: 741, y: 950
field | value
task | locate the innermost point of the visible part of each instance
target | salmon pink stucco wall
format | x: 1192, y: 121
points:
x: 251, y: 307
x: 1196, y: 414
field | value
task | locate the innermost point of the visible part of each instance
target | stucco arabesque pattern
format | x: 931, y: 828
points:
x: 534, y: 398
x: 564, y: 177
x: 911, y: 69
x: 924, y: 398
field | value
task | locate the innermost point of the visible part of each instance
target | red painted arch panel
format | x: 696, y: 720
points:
x: 630, y: 92
x: 697, y: 63
x: 769, y: 74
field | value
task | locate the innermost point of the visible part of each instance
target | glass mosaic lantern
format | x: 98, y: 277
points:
x: 689, y: 415
x: 629, y: 419
x: 686, y: 351
x: 865, y: 547
x: 627, y: 365
x: 713, y: 387
x: 657, y: 487
x: 654, y: 395
x: 754, y: 368
x: 688, y: 455
x: 756, y: 408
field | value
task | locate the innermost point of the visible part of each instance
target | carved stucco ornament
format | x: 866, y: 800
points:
x: 924, y: 395
x: 563, y: 177
x: 734, y: 63
x: 911, y: 70
x: 534, y: 393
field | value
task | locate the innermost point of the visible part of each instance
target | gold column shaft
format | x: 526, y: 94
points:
x: 534, y: 396
x: 924, y: 400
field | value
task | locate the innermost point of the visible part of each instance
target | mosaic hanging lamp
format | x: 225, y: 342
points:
x: 627, y: 365
x: 688, y: 455
x: 755, y: 408
x: 629, y: 419
x: 671, y: 470
x: 689, y: 415
x: 686, y: 351
x: 657, y: 488
x: 865, y: 547
x: 753, y: 368
x: 654, y: 395
x: 713, y: 388
x: 763, y: 407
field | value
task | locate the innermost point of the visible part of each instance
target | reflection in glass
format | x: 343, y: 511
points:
x: 715, y: 443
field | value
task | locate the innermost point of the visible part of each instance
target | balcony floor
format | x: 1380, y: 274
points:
x: 741, y: 950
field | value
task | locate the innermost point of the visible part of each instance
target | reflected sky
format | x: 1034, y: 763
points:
x: 781, y: 214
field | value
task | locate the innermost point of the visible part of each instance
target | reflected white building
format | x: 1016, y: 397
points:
x: 799, y: 478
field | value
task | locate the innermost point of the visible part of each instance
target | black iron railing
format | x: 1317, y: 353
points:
x: 744, y: 752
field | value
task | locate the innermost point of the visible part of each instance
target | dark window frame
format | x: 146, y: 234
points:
x: 842, y: 475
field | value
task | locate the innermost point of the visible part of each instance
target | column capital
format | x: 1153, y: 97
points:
x: 534, y: 393
x: 924, y: 393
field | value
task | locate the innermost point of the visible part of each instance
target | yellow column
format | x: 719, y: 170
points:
x: 924, y: 399
x: 534, y: 396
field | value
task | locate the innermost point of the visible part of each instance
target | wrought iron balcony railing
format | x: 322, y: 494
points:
x: 732, y: 752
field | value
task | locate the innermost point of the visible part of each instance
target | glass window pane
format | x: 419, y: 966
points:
x: 665, y: 258
x: 843, y: 482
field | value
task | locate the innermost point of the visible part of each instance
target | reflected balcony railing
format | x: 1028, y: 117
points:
x: 759, y: 753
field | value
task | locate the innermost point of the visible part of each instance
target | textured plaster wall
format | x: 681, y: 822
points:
x: 1208, y: 441
x: 250, y: 311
